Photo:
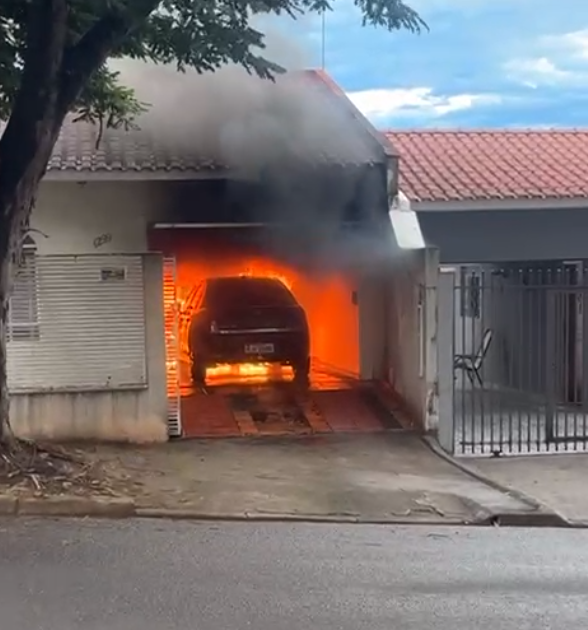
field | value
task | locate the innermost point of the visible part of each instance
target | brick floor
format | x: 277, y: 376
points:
x: 277, y: 411
x: 345, y: 411
x: 208, y: 416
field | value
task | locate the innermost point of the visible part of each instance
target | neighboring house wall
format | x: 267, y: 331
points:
x: 506, y: 235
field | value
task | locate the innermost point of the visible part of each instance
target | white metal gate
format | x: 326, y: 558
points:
x: 172, y: 348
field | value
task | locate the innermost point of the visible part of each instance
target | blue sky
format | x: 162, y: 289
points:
x: 484, y: 63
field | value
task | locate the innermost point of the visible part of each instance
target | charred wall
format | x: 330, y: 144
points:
x: 317, y: 216
x: 334, y: 194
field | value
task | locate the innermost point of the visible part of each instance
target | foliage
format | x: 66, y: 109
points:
x: 202, y: 34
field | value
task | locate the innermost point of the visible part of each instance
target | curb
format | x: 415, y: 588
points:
x: 119, y: 508
x: 262, y: 517
x: 71, y: 506
x: 541, y: 516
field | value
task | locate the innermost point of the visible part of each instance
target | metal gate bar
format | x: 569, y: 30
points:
x: 520, y: 362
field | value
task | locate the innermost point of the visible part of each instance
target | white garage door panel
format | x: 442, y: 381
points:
x: 90, y: 328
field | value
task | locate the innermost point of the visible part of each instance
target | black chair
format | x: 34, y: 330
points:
x: 471, y: 364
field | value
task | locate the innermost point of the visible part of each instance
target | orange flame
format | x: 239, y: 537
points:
x: 256, y: 271
x: 327, y: 301
x: 248, y: 372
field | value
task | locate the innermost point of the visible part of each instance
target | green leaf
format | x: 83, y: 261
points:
x: 199, y: 34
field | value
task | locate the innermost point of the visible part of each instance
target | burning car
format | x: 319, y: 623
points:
x: 245, y: 319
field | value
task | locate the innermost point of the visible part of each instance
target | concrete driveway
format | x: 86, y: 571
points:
x: 386, y: 477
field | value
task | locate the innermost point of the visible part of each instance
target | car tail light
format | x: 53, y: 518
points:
x: 213, y: 326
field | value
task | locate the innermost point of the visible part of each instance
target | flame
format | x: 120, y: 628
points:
x: 327, y: 301
x: 248, y: 372
x: 239, y: 369
x: 257, y: 272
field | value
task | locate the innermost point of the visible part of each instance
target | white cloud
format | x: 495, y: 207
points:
x: 562, y: 60
x: 574, y: 43
x: 415, y: 102
x: 538, y: 71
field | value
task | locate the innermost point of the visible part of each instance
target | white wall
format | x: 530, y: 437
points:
x: 412, y: 335
x: 100, y: 218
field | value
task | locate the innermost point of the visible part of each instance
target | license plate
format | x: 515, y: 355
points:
x: 259, y: 348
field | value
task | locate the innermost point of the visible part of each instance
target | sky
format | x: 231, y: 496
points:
x: 483, y: 63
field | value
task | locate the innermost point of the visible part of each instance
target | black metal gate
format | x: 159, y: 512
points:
x: 519, y: 358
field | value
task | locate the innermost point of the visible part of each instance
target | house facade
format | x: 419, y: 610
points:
x: 508, y: 212
x: 94, y: 349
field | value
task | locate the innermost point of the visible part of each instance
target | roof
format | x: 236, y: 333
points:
x: 441, y: 166
x: 302, y: 115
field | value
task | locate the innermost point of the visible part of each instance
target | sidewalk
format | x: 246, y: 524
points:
x: 369, y: 478
x: 558, y: 481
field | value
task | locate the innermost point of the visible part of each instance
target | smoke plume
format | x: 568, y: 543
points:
x: 290, y: 137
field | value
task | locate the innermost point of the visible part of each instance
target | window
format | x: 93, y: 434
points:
x: 23, y: 322
x: 471, y: 293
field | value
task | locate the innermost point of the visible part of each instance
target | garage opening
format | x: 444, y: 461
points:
x: 231, y: 394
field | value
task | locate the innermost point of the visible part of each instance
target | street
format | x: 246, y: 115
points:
x: 164, y: 575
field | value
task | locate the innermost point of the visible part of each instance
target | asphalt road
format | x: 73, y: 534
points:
x: 155, y: 575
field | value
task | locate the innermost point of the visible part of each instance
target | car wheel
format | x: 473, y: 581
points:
x: 302, y: 372
x: 198, y: 373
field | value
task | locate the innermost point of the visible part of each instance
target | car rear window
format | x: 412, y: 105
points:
x: 227, y: 292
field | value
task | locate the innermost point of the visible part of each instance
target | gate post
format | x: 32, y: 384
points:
x: 445, y: 352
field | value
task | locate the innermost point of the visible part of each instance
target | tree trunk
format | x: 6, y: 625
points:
x: 12, y: 221
x: 5, y: 432
x: 17, y: 196
x: 25, y: 149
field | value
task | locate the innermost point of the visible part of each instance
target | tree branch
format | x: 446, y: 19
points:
x: 83, y: 59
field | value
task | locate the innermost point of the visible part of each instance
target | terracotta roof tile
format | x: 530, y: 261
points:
x: 496, y: 164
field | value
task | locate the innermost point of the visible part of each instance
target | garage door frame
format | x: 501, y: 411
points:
x: 172, y: 349
x: 368, y: 367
